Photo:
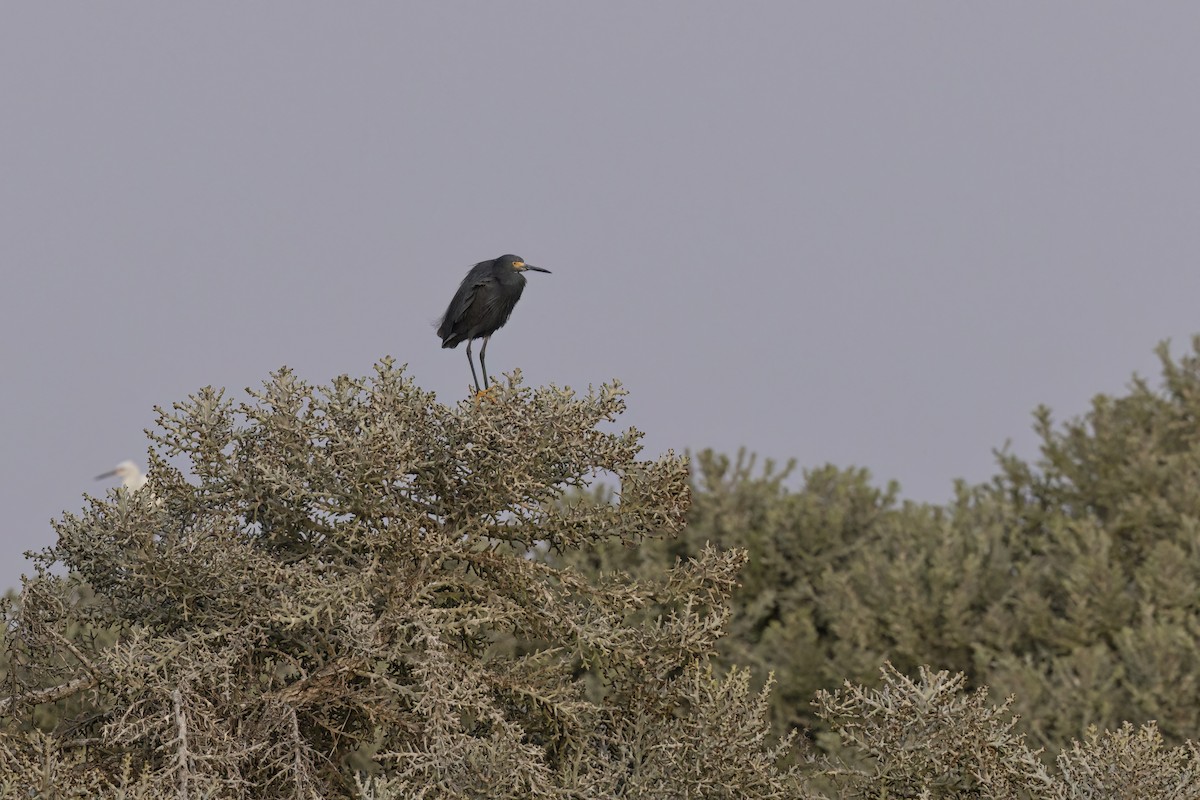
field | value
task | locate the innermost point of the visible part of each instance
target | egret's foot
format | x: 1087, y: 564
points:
x: 486, y: 394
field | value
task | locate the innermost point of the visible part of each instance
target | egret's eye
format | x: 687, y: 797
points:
x: 518, y: 264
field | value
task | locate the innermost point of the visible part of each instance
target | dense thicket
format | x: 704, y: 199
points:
x: 1072, y: 581
x: 335, y: 594
x: 361, y: 592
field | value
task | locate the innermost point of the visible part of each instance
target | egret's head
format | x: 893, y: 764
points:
x: 518, y: 264
x: 131, y: 477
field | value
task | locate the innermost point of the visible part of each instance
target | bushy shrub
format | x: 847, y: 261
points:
x: 357, y: 591
x: 328, y: 606
x: 1072, y: 582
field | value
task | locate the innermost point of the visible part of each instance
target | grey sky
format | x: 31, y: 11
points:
x: 871, y: 234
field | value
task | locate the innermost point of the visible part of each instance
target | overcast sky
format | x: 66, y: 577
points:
x: 873, y: 234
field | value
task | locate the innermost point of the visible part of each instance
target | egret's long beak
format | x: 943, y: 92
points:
x: 537, y: 269
x: 108, y: 474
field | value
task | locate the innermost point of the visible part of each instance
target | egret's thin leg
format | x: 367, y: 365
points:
x: 482, y: 365
x: 472, y: 363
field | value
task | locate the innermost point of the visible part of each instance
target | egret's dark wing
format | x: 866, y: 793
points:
x: 497, y: 305
x: 464, y: 298
x: 455, y: 324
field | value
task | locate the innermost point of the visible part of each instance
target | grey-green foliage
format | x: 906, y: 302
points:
x: 929, y: 737
x: 1101, y: 621
x: 801, y: 541
x: 339, y: 601
x: 1072, y: 582
x: 810, y: 606
x: 342, y: 602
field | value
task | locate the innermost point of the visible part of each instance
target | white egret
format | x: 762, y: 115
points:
x: 132, y: 478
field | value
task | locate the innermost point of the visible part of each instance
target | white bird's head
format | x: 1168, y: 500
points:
x: 131, y: 477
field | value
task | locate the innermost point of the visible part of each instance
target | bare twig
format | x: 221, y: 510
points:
x: 182, y: 757
x: 50, y: 694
